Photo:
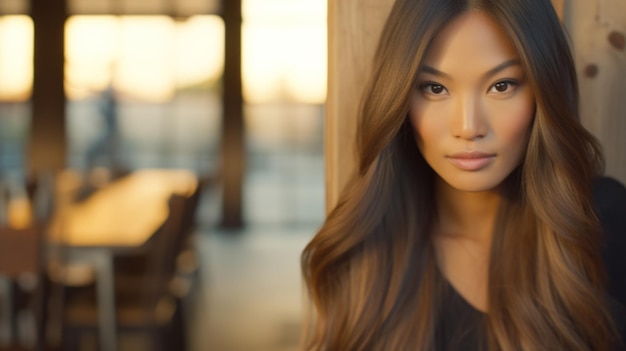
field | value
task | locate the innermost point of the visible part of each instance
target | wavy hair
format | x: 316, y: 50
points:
x: 371, y: 270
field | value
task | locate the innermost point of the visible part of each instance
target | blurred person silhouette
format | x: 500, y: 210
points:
x: 470, y: 223
x: 103, y: 158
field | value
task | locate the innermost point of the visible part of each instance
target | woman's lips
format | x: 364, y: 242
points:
x: 471, y: 161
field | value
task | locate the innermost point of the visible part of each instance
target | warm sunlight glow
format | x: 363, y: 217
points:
x: 16, y: 57
x: 91, y: 46
x: 284, y: 50
x: 149, y: 57
x: 285, y: 11
x: 200, y: 50
x: 145, y: 57
x: 306, y: 64
x: 146, y: 61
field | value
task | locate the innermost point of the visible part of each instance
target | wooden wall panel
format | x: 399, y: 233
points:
x: 354, y: 27
x: 598, y: 29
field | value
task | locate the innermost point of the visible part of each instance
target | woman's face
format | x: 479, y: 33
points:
x: 472, y: 109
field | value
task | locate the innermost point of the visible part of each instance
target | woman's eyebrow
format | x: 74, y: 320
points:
x: 489, y: 73
x: 434, y: 71
x: 500, y: 67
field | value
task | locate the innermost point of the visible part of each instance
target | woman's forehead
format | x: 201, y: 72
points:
x: 473, y: 41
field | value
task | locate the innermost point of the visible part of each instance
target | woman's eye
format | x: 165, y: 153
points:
x: 433, y: 88
x: 504, y: 86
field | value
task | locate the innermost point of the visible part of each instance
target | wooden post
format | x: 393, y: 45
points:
x: 47, y: 144
x: 354, y: 27
x: 233, y: 145
x: 598, y: 32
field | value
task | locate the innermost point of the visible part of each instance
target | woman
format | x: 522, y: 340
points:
x: 470, y: 223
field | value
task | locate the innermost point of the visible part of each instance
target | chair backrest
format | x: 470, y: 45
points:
x: 20, y: 251
x: 162, y: 259
x: 21, y: 259
x: 41, y: 192
x: 27, y: 207
x: 188, y: 223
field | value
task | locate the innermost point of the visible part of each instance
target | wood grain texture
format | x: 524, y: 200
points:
x: 354, y: 27
x: 595, y: 27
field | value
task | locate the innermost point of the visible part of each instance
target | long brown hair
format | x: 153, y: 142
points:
x: 371, y: 270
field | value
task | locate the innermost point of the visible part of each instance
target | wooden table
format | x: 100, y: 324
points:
x: 120, y: 217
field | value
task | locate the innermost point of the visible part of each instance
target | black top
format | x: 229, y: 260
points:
x: 462, y: 327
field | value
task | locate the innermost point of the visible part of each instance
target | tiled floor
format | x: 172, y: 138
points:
x: 251, y: 296
x: 250, y: 293
x: 250, y: 289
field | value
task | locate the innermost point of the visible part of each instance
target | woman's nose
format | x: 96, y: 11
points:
x: 469, y: 121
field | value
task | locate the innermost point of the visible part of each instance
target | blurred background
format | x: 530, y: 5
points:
x: 162, y: 161
x: 158, y: 155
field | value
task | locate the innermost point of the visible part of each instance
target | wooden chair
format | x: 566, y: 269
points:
x: 143, y: 302
x: 21, y: 259
x: 186, y: 260
x: 134, y: 264
x: 21, y: 250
